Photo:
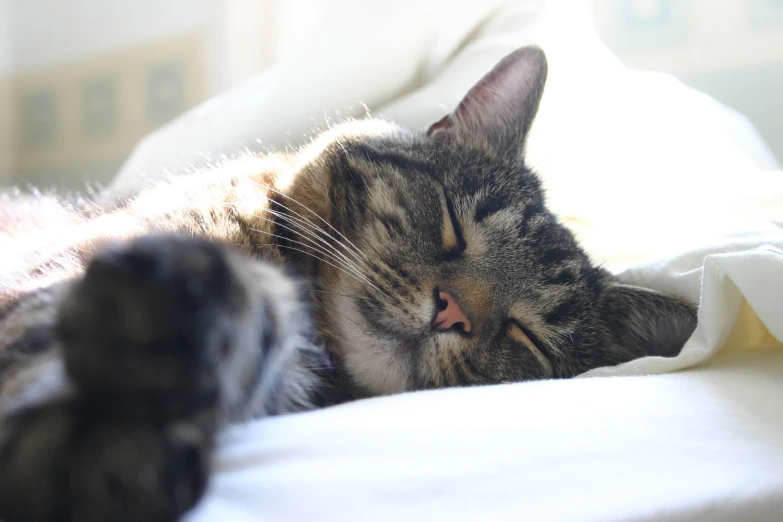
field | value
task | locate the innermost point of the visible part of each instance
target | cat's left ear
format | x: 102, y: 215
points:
x: 499, y: 110
x: 643, y: 322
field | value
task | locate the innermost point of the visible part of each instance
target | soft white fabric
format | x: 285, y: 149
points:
x: 744, y: 266
x: 704, y: 444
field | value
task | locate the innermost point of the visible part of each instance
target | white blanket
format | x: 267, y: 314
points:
x: 704, y: 444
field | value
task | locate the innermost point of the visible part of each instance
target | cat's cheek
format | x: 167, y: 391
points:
x: 380, y: 366
x: 376, y: 363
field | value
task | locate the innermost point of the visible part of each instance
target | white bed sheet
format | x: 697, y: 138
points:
x: 699, y: 445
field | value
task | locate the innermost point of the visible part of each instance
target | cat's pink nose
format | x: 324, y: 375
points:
x: 449, y: 315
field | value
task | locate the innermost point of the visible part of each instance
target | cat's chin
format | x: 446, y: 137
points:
x: 381, y: 366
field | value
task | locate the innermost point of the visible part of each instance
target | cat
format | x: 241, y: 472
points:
x: 374, y: 261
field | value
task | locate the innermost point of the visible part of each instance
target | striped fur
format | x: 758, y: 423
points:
x: 129, y: 335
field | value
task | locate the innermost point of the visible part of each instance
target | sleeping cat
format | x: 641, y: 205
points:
x: 377, y: 260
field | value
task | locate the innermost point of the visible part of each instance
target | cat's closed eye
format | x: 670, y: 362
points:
x: 521, y: 335
x: 453, y: 239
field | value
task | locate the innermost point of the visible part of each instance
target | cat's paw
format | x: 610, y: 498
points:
x: 177, y: 321
x: 153, y: 317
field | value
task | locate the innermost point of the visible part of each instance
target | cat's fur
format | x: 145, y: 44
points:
x: 284, y: 282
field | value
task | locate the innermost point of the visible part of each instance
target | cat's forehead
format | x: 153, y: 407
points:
x: 389, y: 149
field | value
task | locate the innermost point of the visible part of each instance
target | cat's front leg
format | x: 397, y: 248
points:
x: 163, y: 341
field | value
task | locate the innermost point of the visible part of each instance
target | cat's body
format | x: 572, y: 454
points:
x: 377, y: 260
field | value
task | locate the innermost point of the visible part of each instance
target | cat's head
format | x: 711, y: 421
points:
x: 454, y: 272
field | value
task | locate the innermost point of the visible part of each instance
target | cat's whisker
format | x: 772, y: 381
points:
x: 309, y: 237
x: 349, y: 269
x: 354, y: 252
x: 315, y: 257
x: 272, y: 189
x: 310, y: 227
x: 322, y: 252
x: 360, y: 276
x: 306, y: 230
x: 317, y: 248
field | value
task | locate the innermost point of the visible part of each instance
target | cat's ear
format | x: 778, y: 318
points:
x: 644, y: 322
x: 499, y: 110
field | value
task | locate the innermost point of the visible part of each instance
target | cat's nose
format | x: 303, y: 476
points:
x: 449, y: 315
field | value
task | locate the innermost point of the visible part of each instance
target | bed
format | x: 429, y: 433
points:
x: 671, y: 190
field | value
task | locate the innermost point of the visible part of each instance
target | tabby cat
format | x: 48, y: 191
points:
x: 377, y: 260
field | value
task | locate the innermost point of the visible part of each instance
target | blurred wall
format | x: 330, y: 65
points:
x: 730, y: 49
x: 85, y: 79
x: 82, y: 81
x: 6, y: 95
